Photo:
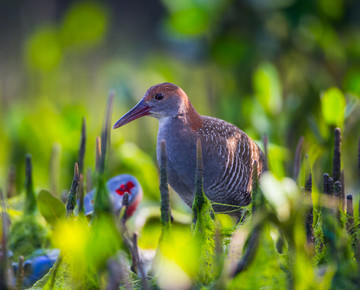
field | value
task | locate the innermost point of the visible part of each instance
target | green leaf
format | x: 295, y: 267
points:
x: 191, y: 22
x: 267, y: 88
x: 42, y: 50
x: 333, y: 106
x: 85, y: 25
x: 51, y: 208
x: 352, y: 82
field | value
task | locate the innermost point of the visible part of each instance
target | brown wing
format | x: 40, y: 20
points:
x: 234, y: 152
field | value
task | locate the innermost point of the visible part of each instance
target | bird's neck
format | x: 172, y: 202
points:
x: 189, y: 116
x: 186, y: 116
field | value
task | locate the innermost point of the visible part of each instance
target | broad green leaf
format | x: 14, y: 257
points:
x: 51, y: 208
x: 267, y: 88
x: 333, y: 106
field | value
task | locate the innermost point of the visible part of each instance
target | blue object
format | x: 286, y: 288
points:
x: 117, y: 187
x: 38, y: 265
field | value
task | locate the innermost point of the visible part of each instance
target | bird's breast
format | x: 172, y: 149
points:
x: 181, y: 153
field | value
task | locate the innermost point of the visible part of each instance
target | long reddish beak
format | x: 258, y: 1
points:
x: 141, y: 109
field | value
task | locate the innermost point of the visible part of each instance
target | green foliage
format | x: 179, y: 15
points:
x: 51, y: 208
x: 266, y: 270
x: 152, y: 229
x: 84, y: 25
x: 261, y: 65
x: 267, y: 88
x: 191, y: 18
x: 333, y: 107
x: 319, y: 257
x: 60, y: 281
x: 191, y: 21
x: 268, y: 250
x: 104, y: 241
x: 43, y: 50
x: 102, y: 197
x: 30, y: 196
x: 352, y: 82
x: 27, y: 235
x: 204, y: 238
x: 204, y: 226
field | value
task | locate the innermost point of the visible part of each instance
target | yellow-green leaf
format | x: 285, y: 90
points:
x: 333, y: 106
x: 42, y: 50
x: 267, y: 88
x: 51, y: 208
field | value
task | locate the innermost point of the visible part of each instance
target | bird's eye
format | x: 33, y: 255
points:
x: 159, y: 96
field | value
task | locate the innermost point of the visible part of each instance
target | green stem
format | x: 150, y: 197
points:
x: 71, y: 203
x: 30, y: 201
x: 164, y: 188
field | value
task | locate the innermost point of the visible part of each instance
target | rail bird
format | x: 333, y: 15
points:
x: 228, y: 153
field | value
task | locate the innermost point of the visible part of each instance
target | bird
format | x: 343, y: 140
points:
x: 228, y: 153
x: 117, y: 187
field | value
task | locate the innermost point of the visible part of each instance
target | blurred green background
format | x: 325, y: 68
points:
x: 286, y: 68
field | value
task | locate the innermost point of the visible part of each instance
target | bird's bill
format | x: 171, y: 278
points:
x: 140, y: 110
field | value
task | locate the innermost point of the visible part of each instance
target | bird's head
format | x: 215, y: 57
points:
x: 160, y: 101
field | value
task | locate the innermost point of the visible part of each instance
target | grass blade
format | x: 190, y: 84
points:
x: 349, y: 214
x: 336, y: 172
x: 250, y: 251
x: 98, y: 154
x: 54, y: 169
x: 102, y: 199
x: 82, y: 146
x: 256, y: 197
x: 359, y: 161
x: 71, y: 202
x: 203, y: 225
x: 81, y: 194
x: 30, y: 201
x: 266, y: 161
x: 164, y: 187
x: 328, y: 184
x: 309, y: 214
x: 105, y: 135
x: 3, y: 251
x: 342, y: 194
x: 11, y: 182
x: 298, y: 157
x: 20, y: 274
x: 338, y: 192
